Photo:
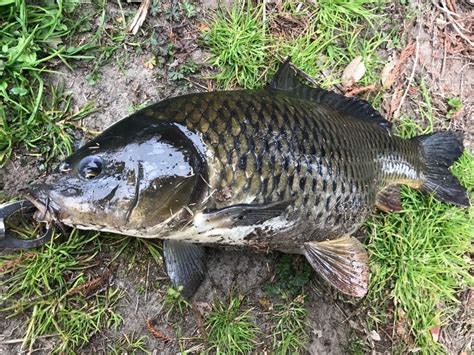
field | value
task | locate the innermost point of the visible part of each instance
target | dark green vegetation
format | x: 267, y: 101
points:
x: 36, y: 114
x: 230, y: 329
x: 418, y: 256
x: 323, y: 38
x: 291, y: 275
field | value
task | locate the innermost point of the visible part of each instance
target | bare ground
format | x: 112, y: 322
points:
x: 449, y: 72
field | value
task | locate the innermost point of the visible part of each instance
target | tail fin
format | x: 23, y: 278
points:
x: 440, y: 150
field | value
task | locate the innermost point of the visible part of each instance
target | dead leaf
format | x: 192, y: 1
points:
x: 203, y: 27
x: 400, y: 329
x: 157, y: 333
x: 174, y: 64
x: 435, y: 333
x: 375, y: 336
x: 354, y: 71
x: 356, y: 90
x: 392, y: 70
x: 265, y: 303
x: 387, y: 78
x: 202, y: 307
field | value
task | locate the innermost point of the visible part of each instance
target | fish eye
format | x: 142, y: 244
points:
x: 90, y: 167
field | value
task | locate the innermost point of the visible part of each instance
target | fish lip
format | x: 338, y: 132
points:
x: 45, y: 211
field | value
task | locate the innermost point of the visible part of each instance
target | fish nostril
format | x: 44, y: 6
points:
x: 64, y: 167
x: 70, y: 191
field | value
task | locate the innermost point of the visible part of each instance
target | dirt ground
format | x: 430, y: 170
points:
x: 449, y: 72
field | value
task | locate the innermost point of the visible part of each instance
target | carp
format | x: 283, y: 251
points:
x: 289, y: 167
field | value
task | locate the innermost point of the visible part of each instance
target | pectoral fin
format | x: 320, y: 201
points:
x: 245, y: 215
x: 389, y: 200
x: 342, y: 262
x: 185, y: 265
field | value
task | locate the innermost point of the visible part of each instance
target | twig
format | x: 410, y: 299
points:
x: 264, y: 16
x: 412, y: 75
x: 357, y: 90
x: 199, y: 321
x: 445, y: 9
x: 443, y: 63
x: 146, y: 281
x: 139, y: 18
x: 91, y: 285
x: 156, y: 332
x: 451, y: 6
x: 20, y: 340
x: 196, y: 84
x: 10, y: 264
x: 457, y: 27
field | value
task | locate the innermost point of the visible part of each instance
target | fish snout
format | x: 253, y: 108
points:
x: 46, y: 211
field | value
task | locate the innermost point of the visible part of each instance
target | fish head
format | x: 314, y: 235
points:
x: 127, y: 180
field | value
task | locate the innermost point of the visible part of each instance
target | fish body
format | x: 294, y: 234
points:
x: 263, y: 148
x: 288, y: 168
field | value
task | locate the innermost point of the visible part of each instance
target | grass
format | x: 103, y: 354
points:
x: 54, y: 287
x: 34, y: 114
x: 130, y: 344
x: 61, y: 293
x: 109, y: 38
x: 455, y: 105
x: 174, y: 301
x: 336, y: 33
x: 237, y: 39
x: 289, y: 331
x: 418, y: 256
x: 288, y: 313
x: 230, y: 330
x: 333, y: 32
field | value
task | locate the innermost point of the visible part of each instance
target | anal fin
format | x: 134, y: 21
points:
x: 185, y: 265
x: 389, y: 200
x: 343, y: 262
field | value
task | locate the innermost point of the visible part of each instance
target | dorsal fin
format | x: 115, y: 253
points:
x: 286, y: 81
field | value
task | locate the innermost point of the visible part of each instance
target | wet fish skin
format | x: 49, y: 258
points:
x: 265, y: 147
x: 288, y: 167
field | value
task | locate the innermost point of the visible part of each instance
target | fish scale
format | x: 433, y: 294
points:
x: 266, y: 148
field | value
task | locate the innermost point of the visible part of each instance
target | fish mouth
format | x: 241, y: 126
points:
x: 45, y: 212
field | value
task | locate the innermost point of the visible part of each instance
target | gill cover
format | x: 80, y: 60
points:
x: 138, y: 174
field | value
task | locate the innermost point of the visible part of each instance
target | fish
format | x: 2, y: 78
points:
x: 289, y: 167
